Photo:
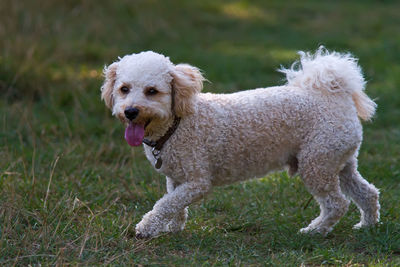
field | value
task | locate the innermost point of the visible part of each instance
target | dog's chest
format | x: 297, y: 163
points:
x: 165, y: 163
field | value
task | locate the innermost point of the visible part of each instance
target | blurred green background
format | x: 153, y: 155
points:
x: 71, y: 190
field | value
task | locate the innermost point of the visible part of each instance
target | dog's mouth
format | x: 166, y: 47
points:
x: 134, y: 133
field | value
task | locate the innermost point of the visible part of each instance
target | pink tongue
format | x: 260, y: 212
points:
x: 134, y: 134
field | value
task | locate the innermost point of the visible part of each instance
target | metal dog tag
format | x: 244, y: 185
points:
x: 156, y: 155
x: 158, y: 163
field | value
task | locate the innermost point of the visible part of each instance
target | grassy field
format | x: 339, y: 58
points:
x: 71, y: 190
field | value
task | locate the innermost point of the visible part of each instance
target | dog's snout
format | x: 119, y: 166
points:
x: 131, y: 113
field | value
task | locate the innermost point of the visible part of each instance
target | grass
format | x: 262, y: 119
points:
x: 71, y: 190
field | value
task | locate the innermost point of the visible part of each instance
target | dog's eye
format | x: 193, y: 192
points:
x: 151, y: 91
x: 124, y: 89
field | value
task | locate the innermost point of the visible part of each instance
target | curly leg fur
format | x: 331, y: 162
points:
x: 166, y: 209
x: 179, y: 220
x: 333, y: 206
x: 323, y: 184
x: 363, y: 194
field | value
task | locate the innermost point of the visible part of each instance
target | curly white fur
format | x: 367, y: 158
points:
x: 333, y: 72
x: 310, y: 125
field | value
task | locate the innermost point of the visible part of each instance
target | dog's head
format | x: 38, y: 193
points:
x: 146, y: 90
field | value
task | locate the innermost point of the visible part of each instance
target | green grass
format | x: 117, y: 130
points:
x: 71, y: 190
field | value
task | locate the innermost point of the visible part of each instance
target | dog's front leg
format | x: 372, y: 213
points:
x: 155, y: 221
x: 178, y: 221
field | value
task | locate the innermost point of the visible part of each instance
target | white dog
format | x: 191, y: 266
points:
x: 310, y: 125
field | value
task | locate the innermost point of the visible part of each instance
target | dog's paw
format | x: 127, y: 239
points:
x: 358, y: 226
x: 364, y: 225
x: 150, y: 226
x: 315, y: 230
x: 306, y: 230
x: 144, y: 231
x: 140, y: 235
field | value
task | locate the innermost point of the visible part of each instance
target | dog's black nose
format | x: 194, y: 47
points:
x: 131, y: 113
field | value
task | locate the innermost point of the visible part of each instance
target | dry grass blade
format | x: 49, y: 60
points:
x: 50, y: 179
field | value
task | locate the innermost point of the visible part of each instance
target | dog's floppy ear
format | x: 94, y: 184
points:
x: 110, y: 74
x: 187, y: 82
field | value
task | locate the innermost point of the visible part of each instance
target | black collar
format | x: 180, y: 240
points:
x: 158, y: 145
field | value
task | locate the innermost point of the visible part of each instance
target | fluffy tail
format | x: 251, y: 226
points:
x: 333, y: 72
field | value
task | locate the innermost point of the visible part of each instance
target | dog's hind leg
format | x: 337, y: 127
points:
x: 320, y: 176
x: 179, y: 220
x: 363, y: 194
